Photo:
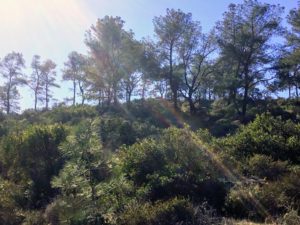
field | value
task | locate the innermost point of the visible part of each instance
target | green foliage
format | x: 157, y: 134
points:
x: 86, y: 163
x: 70, y: 115
x: 116, y: 131
x: 156, y: 112
x: 12, y: 76
x: 86, y: 166
x: 268, y: 136
x: 258, y: 200
x: 34, y: 218
x: 59, y: 176
x: 73, y: 211
x: 74, y: 71
x: 288, y: 62
x: 265, y: 167
x: 164, y: 165
x: 8, y: 212
x: 30, y: 159
x: 221, y: 109
x: 114, y: 60
x: 172, y: 211
x: 244, y: 35
x: 115, y: 194
x: 169, y: 212
x: 137, y: 162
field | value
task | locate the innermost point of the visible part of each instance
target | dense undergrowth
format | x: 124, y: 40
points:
x: 148, y: 164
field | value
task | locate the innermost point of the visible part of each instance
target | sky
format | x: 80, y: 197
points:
x: 54, y: 28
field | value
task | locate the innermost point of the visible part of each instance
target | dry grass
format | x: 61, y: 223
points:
x: 243, y: 222
x: 250, y: 223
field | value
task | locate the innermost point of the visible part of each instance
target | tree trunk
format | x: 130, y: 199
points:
x: 171, y: 78
x: 245, y: 100
x: 35, y: 99
x: 204, y: 94
x: 143, y: 91
x: 175, y: 98
x: 82, y: 94
x: 47, y: 97
x: 8, y: 94
x: 8, y: 101
x: 129, y: 93
x: 109, y: 96
x: 74, y: 92
x: 209, y: 94
x: 192, y: 106
x: 115, y: 95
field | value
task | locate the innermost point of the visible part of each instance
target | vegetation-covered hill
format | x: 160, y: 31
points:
x: 186, y: 128
x: 145, y: 164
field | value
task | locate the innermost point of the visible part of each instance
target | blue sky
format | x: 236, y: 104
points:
x: 53, y: 28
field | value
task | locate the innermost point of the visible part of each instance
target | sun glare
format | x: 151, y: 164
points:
x: 37, y: 20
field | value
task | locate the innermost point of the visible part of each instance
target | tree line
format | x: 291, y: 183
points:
x: 242, y: 59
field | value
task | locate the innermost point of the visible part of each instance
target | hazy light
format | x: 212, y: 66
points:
x: 50, y: 28
x: 37, y: 24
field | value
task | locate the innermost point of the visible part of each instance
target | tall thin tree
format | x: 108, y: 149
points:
x: 48, y: 80
x: 35, y: 80
x: 11, y: 70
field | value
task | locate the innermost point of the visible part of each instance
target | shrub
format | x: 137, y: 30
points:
x: 264, y: 166
x: 169, y: 212
x: 116, y: 131
x: 173, y: 211
x: 8, y: 205
x: 258, y: 201
x: 30, y: 159
x: 73, y: 211
x: 71, y: 115
x: 176, y: 163
x: 34, y: 218
x: 291, y: 218
x: 268, y: 136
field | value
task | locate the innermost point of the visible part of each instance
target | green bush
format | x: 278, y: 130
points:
x: 243, y: 202
x: 257, y: 200
x: 168, y: 213
x: 175, y: 164
x: 34, y: 218
x: 73, y: 211
x: 116, y: 131
x: 268, y: 136
x: 30, y: 159
x: 71, y: 115
x: 264, y: 166
x: 8, y: 206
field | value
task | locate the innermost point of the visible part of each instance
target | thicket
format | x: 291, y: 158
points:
x: 182, y: 129
x: 79, y: 165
